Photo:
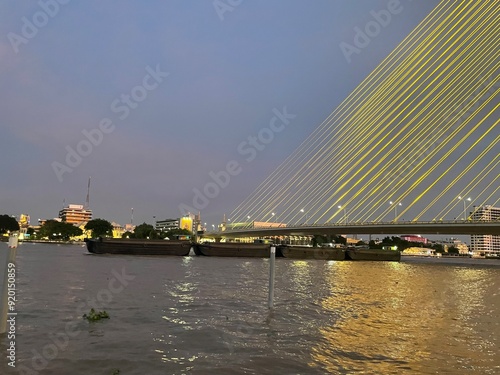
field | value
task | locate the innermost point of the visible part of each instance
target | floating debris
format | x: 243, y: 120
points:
x: 96, y: 315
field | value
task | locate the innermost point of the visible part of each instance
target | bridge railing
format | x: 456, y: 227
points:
x: 365, y: 223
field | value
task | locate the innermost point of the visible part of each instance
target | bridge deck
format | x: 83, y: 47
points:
x: 442, y: 227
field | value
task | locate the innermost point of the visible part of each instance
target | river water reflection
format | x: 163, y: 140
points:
x: 203, y: 315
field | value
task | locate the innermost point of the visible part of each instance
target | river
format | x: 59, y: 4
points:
x: 208, y: 315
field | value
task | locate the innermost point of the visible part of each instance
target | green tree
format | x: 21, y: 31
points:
x: 438, y: 247
x: 173, y: 234
x: 31, y: 232
x: 318, y: 240
x: 145, y: 231
x: 374, y: 245
x: 128, y: 234
x: 339, y: 239
x: 453, y: 250
x: 8, y: 224
x: 60, y: 231
x: 99, y: 228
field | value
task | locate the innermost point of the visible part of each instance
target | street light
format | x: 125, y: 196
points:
x: 302, y: 210
x: 395, y: 208
x: 345, y: 213
x: 465, y: 208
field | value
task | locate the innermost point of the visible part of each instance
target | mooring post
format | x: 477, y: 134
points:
x: 9, y: 261
x: 271, y: 275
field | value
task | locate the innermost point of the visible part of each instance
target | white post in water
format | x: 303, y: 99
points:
x: 271, y: 276
x: 9, y: 261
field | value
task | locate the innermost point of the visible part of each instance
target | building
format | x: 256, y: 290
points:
x: 414, y: 238
x: 185, y: 222
x: 166, y: 225
x: 118, y: 230
x: 252, y: 224
x: 129, y: 228
x: 75, y: 214
x: 482, y: 245
x: 447, y: 243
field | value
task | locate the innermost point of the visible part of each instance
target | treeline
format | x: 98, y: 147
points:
x: 387, y: 241
x: 61, y: 231
x: 403, y: 244
x: 8, y: 224
x: 148, y: 231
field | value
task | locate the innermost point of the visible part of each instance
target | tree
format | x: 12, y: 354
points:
x: 339, y: 239
x: 99, y: 227
x: 453, y: 250
x: 30, y: 232
x: 57, y: 230
x: 8, y: 224
x: 173, y: 234
x: 318, y: 240
x: 145, y: 231
x: 438, y: 247
x: 128, y: 234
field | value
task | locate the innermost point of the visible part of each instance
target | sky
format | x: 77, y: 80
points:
x: 167, y: 91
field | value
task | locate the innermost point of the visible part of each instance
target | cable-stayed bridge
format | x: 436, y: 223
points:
x: 416, y: 141
x: 441, y: 227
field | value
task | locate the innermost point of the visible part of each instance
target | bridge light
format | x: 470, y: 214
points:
x: 465, y: 206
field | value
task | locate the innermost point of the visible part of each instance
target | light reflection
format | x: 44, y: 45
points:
x: 395, y: 315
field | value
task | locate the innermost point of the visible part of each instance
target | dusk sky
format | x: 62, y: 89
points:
x: 229, y: 70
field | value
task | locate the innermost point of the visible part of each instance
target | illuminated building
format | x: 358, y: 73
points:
x: 484, y: 244
x: 75, y: 214
x: 414, y: 238
x: 118, y: 230
x: 185, y: 222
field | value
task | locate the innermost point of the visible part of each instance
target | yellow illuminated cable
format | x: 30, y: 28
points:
x: 423, y: 23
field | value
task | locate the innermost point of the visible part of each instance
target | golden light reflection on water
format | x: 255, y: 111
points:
x: 396, y: 317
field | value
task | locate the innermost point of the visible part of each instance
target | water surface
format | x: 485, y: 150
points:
x: 207, y: 315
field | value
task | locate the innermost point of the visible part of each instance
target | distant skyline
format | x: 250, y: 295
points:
x: 155, y: 99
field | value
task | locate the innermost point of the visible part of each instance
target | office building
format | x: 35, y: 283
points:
x: 185, y: 222
x: 75, y: 214
x: 483, y: 244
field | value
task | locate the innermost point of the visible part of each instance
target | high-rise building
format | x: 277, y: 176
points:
x: 166, y: 225
x: 75, y: 214
x: 485, y: 244
x: 185, y: 222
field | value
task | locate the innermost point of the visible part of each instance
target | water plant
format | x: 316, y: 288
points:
x: 95, y: 315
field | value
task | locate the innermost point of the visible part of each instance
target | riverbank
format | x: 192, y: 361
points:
x: 456, y: 260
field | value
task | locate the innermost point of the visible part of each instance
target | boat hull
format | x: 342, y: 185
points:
x: 373, y: 254
x: 233, y: 249
x: 304, y: 252
x: 138, y: 247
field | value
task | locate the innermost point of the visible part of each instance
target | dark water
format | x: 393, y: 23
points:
x: 202, y: 315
